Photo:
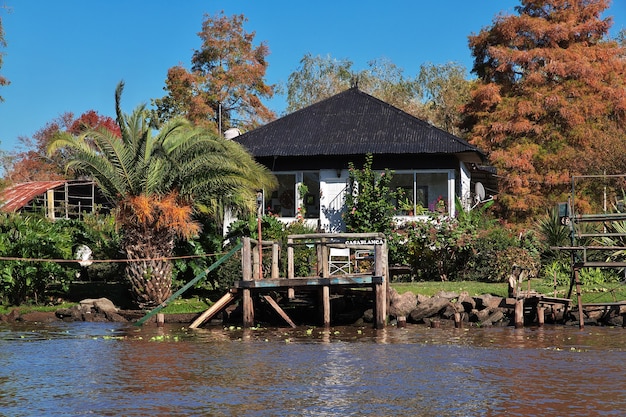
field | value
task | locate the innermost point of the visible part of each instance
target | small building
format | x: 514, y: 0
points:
x: 309, y: 151
x: 66, y: 199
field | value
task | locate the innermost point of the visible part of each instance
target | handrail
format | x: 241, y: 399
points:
x: 191, y: 283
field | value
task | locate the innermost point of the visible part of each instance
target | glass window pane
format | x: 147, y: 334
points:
x: 402, y: 184
x: 436, y: 194
x: 282, y: 202
x: 311, y: 199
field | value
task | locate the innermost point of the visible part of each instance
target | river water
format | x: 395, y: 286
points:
x: 103, y: 369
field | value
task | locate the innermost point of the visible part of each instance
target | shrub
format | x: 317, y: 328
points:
x: 370, y: 202
x: 495, y: 252
x: 33, y: 238
x: 271, y: 229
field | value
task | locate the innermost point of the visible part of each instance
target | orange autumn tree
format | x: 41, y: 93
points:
x: 550, y: 101
x: 226, y: 83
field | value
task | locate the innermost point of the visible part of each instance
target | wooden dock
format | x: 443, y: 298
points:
x: 255, y: 286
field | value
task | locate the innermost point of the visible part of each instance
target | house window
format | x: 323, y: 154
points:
x: 282, y: 202
x: 311, y: 194
x: 419, y: 192
x: 297, y: 193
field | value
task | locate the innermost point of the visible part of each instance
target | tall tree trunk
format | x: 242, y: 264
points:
x: 148, y: 270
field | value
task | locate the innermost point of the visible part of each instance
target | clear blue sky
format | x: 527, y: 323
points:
x: 68, y: 56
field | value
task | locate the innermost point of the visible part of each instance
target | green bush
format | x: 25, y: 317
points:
x: 370, y: 202
x: 271, y: 229
x: 495, y: 251
x: 33, y: 238
x: 100, y: 234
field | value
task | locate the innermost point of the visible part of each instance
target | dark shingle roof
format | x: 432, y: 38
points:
x: 352, y: 123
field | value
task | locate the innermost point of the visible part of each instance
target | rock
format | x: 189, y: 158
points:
x: 368, y: 316
x: 488, y: 301
x: 468, y: 303
x: 39, y: 317
x: 428, y: 308
x: 479, y: 316
x: 401, y: 304
x: 494, y: 317
x: 100, y: 304
x: 422, y: 298
x: 449, y: 295
x: 11, y: 317
x: 114, y: 317
x: 450, y: 310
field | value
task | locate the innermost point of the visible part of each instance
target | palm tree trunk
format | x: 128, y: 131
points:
x: 148, y: 270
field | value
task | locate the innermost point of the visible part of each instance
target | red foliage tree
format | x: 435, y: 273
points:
x: 550, y: 102
x: 33, y: 164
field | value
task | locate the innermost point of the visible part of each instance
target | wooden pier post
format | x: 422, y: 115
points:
x: 380, y: 290
x: 246, y: 266
x: 160, y: 319
x: 291, y: 268
x: 581, y: 314
x: 519, y: 313
x: 458, y: 323
x: 326, y: 305
x: 541, y: 315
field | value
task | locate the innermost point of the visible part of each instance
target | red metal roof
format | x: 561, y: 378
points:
x: 15, y: 197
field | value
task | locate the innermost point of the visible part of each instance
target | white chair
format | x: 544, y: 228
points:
x: 339, y: 261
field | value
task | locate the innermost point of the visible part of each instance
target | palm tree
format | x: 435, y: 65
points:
x: 155, y: 179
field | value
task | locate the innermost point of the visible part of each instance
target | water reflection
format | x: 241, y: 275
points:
x: 110, y: 370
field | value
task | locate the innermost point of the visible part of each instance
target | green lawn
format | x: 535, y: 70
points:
x: 596, y: 294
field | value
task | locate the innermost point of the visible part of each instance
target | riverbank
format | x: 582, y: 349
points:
x: 443, y: 309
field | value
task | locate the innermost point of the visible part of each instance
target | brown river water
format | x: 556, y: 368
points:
x: 102, y: 369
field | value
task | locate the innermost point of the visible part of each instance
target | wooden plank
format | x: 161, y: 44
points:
x: 317, y: 236
x: 345, y: 280
x: 615, y: 304
x: 279, y: 310
x: 215, y: 308
x: 275, y: 257
x: 246, y: 260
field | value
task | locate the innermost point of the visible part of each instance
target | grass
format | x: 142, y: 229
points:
x: 27, y: 308
x: 431, y: 288
x: 186, y: 305
x: 605, y: 293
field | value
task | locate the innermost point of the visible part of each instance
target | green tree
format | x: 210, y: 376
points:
x: 316, y: 79
x: 154, y: 178
x: 550, y: 101
x: 226, y: 83
x: 319, y: 78
x: 436, y: 94
x: 444, y: 90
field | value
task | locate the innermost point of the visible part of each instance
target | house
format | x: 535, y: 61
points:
x: 309, y: 152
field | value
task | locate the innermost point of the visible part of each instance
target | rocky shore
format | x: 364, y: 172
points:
x: 444, y: 309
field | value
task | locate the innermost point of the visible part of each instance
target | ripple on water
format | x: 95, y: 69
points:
x: 102, y: 369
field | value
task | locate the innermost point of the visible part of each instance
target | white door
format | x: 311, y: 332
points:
x: 332, y: 201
